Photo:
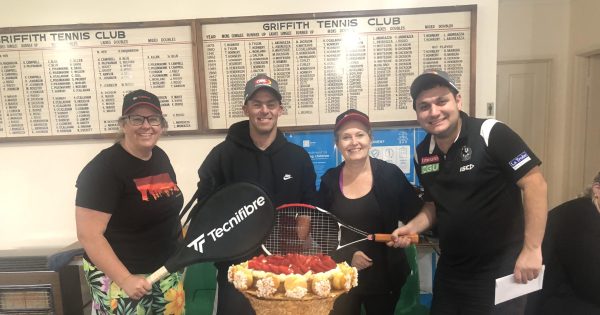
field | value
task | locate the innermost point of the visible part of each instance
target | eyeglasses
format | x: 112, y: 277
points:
x: 138, y: 120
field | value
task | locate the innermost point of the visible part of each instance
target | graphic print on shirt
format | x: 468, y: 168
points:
x: 430, y: 164
x: 156, y: 186
x: 519, y: 160
x: 465, y: 153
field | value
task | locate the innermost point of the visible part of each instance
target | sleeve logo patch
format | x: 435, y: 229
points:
x: 519, y: 161
x: 429, y: 168
x: 430, y: 159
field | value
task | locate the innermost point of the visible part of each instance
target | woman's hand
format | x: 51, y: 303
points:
x: 135, y: 286
x: 91, y: 225
x: 361, y: 261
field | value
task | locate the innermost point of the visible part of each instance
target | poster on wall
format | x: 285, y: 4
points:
x: 320, y: 146
x: 326, y: 64
x: 393, y: 145
x: 72, y: 82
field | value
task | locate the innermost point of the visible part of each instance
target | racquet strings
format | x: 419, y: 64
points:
x: 304, y: 230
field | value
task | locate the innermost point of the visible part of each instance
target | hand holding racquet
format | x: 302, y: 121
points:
x: 306, y: 229
x: 230, y: 223
x: 400, y: 237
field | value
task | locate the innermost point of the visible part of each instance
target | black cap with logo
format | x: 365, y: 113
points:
x: 429, y: 78
x: 140, y: 97
x: 259, y: 82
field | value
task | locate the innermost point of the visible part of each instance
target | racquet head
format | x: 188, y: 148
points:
x: 309, y: 230
x: 231, y: 223
x: 303, y: 229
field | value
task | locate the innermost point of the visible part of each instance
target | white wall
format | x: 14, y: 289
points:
x: 37, y: 188
x: 539, y: 29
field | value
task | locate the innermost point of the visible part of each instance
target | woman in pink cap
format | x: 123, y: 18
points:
x: 372, y: 195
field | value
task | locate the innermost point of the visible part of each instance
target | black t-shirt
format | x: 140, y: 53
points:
x: 364, y: 213
x: 397, y: 201
x: 143, y: 199
x: 479, y: 210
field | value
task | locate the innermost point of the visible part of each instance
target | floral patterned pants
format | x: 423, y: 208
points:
x: 166, y: 297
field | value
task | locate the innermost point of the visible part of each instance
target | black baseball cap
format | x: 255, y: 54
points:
x: 429, y: 78
x: 351, y: 114
x: 258, y: 82
x: 140, y: 97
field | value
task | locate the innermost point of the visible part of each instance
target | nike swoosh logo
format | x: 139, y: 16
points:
x: 287, y: 176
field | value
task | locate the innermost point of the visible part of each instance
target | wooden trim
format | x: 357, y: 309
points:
x: 473, y: 66
x: 580, y: 98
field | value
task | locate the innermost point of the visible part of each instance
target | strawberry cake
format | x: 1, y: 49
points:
x: 293, y: 276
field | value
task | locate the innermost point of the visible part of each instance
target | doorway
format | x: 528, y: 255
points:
x: 522, y: 101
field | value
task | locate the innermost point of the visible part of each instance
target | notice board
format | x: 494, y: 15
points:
x: 68, y: 81
x: 327, y: 63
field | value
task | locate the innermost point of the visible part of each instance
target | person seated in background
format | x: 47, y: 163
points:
x: 572, y: 256
x: 372, y: 195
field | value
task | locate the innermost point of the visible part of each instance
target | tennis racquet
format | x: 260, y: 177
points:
x: 231, y: 223
x: 306, y: 229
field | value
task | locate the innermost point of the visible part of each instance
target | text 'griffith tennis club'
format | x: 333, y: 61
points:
x: 239, y: 216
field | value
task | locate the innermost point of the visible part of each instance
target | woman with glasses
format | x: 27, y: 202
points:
x: 127, y: 208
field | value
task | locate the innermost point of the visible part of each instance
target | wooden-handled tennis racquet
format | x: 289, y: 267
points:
x: 306, y: 229
x: 230, y: 223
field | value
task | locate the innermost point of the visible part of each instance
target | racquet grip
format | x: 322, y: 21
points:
x: 384, y: 238
x: 157, y: 275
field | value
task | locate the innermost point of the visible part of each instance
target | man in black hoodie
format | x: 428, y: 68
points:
x: 256, y: 151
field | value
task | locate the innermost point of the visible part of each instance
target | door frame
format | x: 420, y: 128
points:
x: 581, y: 97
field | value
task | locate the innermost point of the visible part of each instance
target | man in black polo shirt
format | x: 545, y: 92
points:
x: 484, y: 190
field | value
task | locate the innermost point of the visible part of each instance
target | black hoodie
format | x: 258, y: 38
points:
x: 284, y: 169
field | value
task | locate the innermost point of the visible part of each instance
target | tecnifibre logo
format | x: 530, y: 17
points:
x: 239, y: 216
x: 197, y: 243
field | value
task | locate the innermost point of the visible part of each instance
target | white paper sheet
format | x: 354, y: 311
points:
x: 507, y: 288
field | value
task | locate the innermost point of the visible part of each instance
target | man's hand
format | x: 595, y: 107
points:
x: 400, y: 237
x: 361, y: 261
x: 535, y: 204
x: 528, y: 265
x: 424, y: 220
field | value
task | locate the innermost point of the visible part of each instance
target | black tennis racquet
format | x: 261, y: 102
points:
x: 230, y: 223
x: 306, y: 229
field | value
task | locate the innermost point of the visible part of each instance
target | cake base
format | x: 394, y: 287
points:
x: 281, y: 305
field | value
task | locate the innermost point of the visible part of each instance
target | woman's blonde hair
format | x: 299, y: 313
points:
x: 588, y: 190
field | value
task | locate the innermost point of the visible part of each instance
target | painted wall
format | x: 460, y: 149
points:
x: 539, y: 29
x: 37, y: 188
x: 584, y: 26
